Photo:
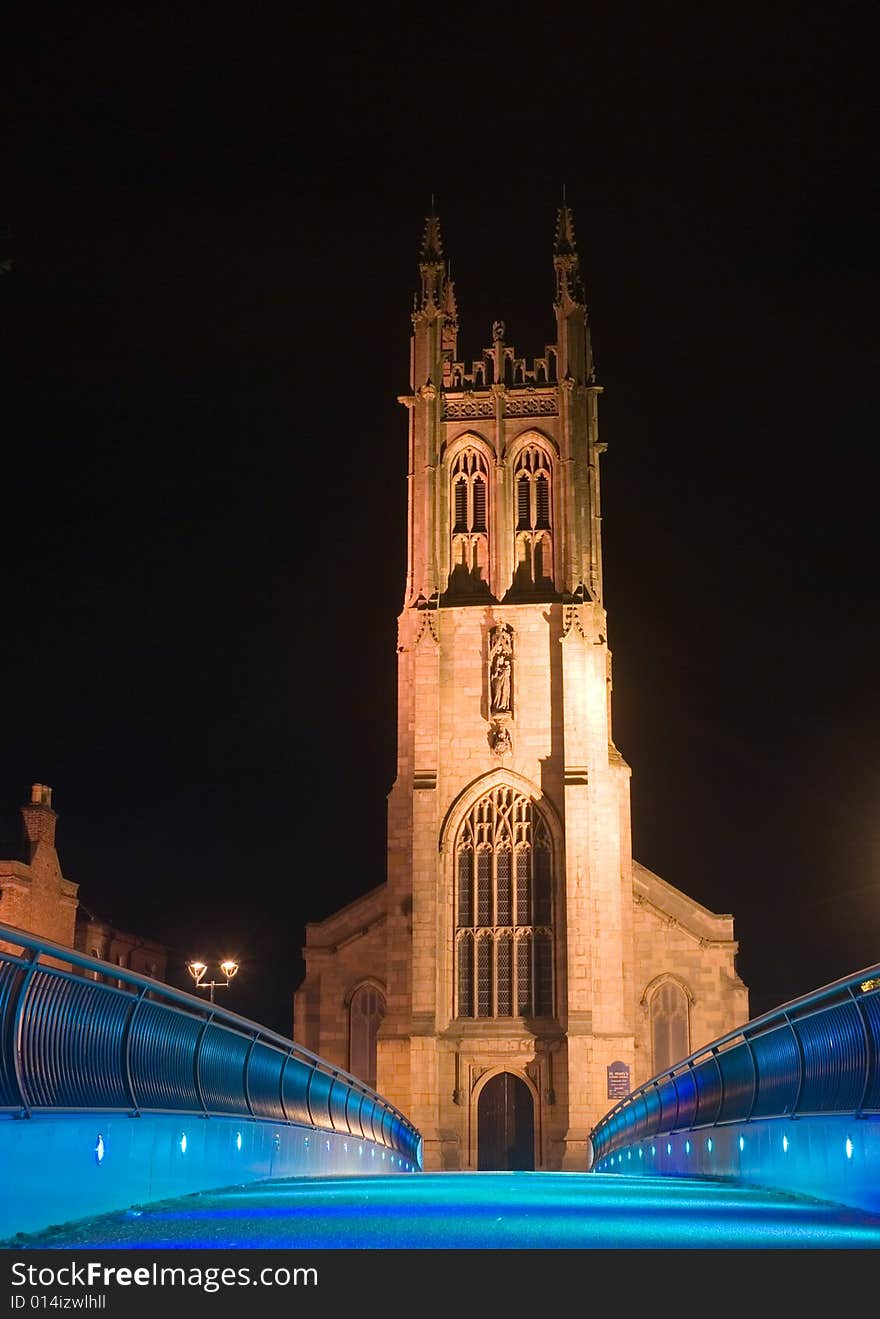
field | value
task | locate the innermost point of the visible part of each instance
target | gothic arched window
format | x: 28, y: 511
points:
x: 469, y: 503
x: 670, y: 1033
x: 504, y: 910
x: 365, y: 1012
x: 534, y: 529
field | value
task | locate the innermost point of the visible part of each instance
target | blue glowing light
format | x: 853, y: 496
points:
x: 238, y: 1140
x: 99, y: 1148
x: 467, y: 1210
x: 849, y: 1148
x: 183, y: 1142
x: 785, y: 1144
x: 687, y: 1147
x: 742, y: 1143
x: 709, y: 1144
x: 668, y: 1147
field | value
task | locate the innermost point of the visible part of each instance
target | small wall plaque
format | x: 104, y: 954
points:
x: 618, y: 1080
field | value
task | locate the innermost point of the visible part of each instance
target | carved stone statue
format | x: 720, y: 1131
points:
x: 500, y: 669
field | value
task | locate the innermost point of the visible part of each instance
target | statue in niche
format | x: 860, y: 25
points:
x: 500, y: 669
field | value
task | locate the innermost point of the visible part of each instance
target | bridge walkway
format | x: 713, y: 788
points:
x: 476, y: 1211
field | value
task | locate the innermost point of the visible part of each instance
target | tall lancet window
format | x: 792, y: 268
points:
x: 670, y: 1036
x: 534, y: 524
x: 504, y: 910
x: 469, y: 501
x: 365, y: 1012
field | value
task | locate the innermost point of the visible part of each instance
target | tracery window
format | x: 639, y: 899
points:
x: 534, y: 530
x: 470, y: 519
x: 670, y: 1033
x: 504, y: 910
x: 365, y: 1012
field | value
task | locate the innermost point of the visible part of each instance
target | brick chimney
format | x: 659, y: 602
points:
x: 38, y: 817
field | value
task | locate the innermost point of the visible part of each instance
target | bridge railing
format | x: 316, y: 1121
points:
x: 71, y: 1043
x: 817, y: 1055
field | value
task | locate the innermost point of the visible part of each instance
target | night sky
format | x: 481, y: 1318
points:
x: 214, y: 236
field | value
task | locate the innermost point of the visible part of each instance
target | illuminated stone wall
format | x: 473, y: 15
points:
x: 345, y: 950
x: 34, y: 895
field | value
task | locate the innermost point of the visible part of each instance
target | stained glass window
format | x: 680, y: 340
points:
x: 504, y: 941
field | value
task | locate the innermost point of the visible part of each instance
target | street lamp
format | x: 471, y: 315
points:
x: 198, y: 971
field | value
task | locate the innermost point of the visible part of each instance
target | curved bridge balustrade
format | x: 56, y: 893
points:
x: 73, y: 1043
x: 791, y: 1100
x: 219, y: 1098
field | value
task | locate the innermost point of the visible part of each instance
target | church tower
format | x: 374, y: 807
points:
x: 517, y: 970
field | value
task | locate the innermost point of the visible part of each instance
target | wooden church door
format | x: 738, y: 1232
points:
x: 505, y: 1126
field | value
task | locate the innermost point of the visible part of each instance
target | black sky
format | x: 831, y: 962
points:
x: 214, y: 233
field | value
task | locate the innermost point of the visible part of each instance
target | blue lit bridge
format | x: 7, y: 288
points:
x: 768, y: 1138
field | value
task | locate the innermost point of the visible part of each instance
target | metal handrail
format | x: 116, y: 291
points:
x: 848, y: 1071
x: 88, y: 1053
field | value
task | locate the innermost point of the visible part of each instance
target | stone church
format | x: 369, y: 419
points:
x: 518, y: 970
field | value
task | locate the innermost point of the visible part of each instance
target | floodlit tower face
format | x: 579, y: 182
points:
x: 518, y: 972
x: 509, y: 818
x: 503, y: 453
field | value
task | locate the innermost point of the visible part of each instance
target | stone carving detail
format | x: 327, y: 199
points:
x: 461, y: 409
x: 532, y: 405
x: 500, y: 669
x: 571, y: 618
x: 500, y: 740
x: 428, y: 625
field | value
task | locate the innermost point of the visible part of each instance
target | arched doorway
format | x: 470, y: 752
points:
x: 505, y: 1125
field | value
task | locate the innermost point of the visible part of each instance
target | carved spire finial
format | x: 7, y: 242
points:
x: 438, y: 291
x: 450, y: 306
x: 565, y: 259
x: 570, y: 296
x: 432, y: 243
x: 431, y: 266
